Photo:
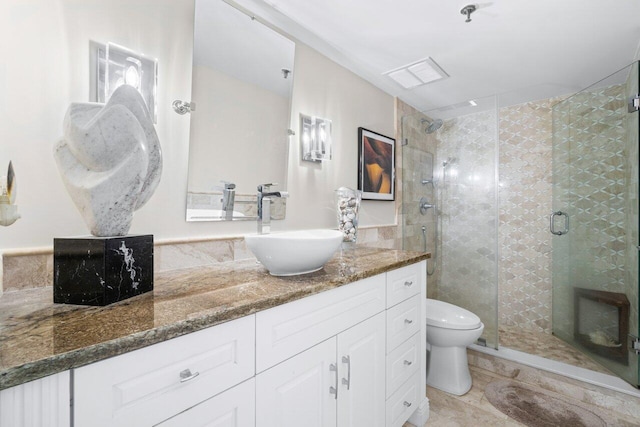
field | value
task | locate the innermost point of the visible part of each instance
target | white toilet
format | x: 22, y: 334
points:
x: 450, y: 329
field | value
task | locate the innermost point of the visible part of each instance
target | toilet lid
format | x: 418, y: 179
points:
x: 445, y: 315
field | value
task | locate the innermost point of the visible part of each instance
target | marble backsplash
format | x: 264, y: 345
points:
x: 26, y: 269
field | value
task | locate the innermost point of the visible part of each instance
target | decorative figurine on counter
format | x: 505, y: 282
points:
x: 8, y: 190
x: 110, y: 161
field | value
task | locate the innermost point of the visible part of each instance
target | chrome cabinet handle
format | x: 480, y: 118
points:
x: 334, y: 390
x: 347, y: 381
x: 186, y: 375
x: 552, y: 225
x: 408, y: 321
x: 407, y: 404
x: 408, y: 362
x: 408, y: 283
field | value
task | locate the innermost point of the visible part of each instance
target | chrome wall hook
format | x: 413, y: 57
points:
x: 468, y: 10
x: 183, y: 107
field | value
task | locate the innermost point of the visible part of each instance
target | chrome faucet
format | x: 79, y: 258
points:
x: 228, y: 199
x: 264, y: 206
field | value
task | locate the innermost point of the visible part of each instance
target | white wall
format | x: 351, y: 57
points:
x: 44, y: 46
x: 324, y: 89
x: 238, y: 133
x: 44, y: 65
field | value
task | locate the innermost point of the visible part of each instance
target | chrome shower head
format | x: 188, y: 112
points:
x: 432, y: 125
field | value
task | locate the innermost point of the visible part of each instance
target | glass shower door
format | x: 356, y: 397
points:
x: 595, y: 222
x: 450, y: 171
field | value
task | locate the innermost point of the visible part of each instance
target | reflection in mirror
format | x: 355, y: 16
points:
x: 242, y: 81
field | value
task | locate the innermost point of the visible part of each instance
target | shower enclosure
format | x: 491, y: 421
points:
x: 595, y: 221
x: 450, y: 205
x: 567, y: 243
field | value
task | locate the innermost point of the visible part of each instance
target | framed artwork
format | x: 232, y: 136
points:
x: 376, y: 165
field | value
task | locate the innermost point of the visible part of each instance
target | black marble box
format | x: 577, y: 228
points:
x: 101, y: 270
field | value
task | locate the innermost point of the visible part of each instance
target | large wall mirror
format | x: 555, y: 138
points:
x: 242, y: 83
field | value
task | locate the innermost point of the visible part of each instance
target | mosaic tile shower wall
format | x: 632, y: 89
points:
x: 589, y: 179
x: 467, y: 185
x: 526, y: 159
x: 596, y: 182
x: 525, y: 197
x: 465, y: 194
x: 525, y: 203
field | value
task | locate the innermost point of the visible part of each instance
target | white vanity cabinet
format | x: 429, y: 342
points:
x: 351, y: 356
x: 148, y: 386
x: 406, y: 346
x: 337, y: 382
x: 41, y: 403
x: 329, y: 355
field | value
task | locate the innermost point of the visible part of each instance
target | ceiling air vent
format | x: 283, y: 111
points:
x: 417, y: 73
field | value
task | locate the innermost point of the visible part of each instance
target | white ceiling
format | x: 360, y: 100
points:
x: 520, y: 50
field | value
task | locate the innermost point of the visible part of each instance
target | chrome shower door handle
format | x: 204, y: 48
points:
x: 552, y: 223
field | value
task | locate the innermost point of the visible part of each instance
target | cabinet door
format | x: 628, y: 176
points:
x: 297, y: 392
x: 361, y: 369
x: 233, y: 408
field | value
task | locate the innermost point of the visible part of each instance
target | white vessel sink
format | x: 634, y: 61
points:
x: 294, y: 252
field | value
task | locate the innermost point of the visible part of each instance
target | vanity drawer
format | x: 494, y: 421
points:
x: 403, y: 402
x: 284, y: 331
x: 235, y: 407
x: 402, y: 363
x: 403, y: 320
x: 403, y: 283
x: 147, y: 386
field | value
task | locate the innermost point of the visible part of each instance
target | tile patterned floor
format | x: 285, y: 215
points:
x: 547, y: 346
x: 473, y: 409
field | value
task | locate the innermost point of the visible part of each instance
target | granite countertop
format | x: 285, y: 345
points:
x: 40, y: 338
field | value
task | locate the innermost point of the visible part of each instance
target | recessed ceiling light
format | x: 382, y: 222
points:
x: 417, y: 73
x: 473, y: 103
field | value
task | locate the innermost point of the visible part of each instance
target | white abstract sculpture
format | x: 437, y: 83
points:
x: 110, y: 160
